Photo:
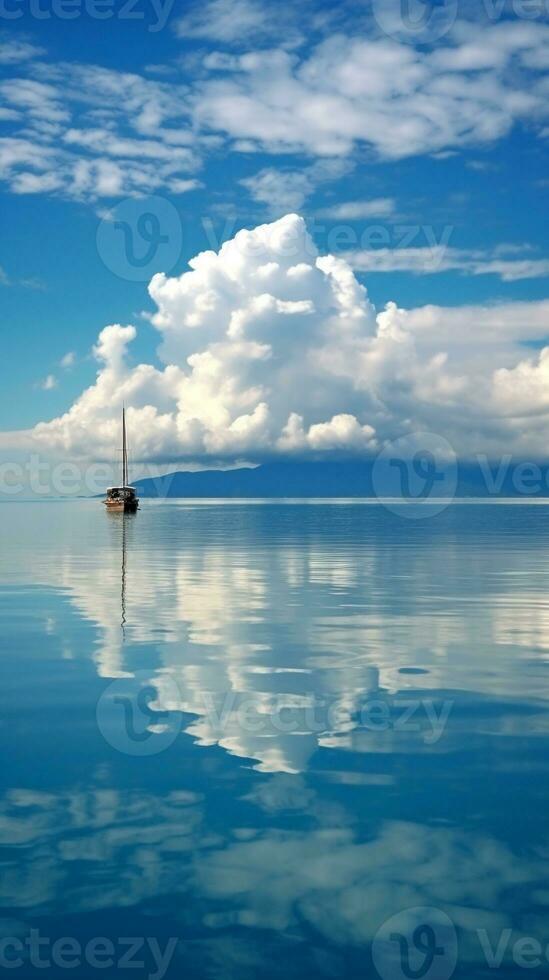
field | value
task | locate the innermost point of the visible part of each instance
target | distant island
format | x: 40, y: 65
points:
x: 344, y: 478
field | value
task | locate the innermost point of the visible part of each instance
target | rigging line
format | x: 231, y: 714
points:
x: 124, y: 451
x: 127, y: 459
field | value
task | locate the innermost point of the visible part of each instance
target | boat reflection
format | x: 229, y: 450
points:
x: 122, y: 529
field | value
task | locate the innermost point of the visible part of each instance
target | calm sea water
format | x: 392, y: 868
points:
x: 301, y: 740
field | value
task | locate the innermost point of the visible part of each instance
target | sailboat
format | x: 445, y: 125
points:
x: 123, y: 498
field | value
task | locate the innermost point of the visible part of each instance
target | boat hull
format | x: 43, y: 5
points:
x: 121, y: 506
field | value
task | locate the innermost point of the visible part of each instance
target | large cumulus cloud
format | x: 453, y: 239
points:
x: 268, y: 348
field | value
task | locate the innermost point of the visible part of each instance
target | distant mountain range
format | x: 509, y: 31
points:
x: 348, y: 478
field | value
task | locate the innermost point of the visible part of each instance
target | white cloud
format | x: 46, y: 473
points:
x: 523, y: 390
x: 269, y: 348
x: 379, y: 207
x: 48, y: 383
x: 229, y: 21
x: 68, y: 360
x: 352, y: 90
x: 13, y: 52
x: 282, y: 190
x: 442, y: 258
x: 341, y: 432
x: 86, y: 132
x: 287, y: 190
x: 241, y: 335
x: 28, y: 282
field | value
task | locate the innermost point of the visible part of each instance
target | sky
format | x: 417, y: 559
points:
x: 273, y: 229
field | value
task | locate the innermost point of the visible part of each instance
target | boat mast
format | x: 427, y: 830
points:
x: 124, y: 451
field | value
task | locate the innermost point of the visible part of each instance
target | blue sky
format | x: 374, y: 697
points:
x: 422, y: 157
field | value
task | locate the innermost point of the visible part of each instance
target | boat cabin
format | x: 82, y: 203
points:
x: 121, y: 492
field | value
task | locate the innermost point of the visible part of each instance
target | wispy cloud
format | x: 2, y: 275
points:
x: 13, y: 52
x: 49, y: 383
x: 68, y: 360
x: 441, y: 258
x: 24, y: 283
x: 236, y: 22
x: 286, y: 189
x: 380, y: 207
x: 88, y: 132
x: 352, y: 91
x: 281, y: 190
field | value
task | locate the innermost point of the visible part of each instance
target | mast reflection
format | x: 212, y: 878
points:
x: 123, y: 520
